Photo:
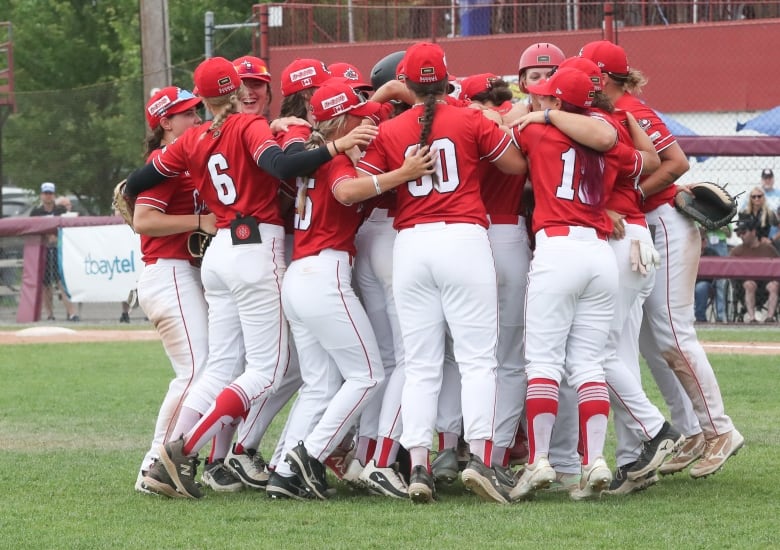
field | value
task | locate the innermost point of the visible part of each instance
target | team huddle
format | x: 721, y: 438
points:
x: 430, y: 259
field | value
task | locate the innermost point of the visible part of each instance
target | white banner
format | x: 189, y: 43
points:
x: 100, y: 263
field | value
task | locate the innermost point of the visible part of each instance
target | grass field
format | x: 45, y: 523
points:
x: 75, y: 421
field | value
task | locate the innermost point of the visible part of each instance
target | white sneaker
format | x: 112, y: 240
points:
x: 596, y: 478
x: 384, y: 481
x: 352, y: 474
x: 536, y: 476
x: 248, y: 466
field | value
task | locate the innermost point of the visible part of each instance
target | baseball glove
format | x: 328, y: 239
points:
x: 197, y: 243
x: 708, y: 203
x: 124, y: 204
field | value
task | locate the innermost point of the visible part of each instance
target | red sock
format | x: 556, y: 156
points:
x: 593, y: 406
x: 227, y: 407
x: 387, y: 450
x: 541, y: 407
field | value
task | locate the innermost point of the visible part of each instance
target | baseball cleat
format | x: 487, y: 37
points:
x: 536, y: 476
x: 309, y: 470
x: 248, y: 466
x: 181, y: 468
x: 622, y: 485
x: 485, y: 482
x: 655, y: 451
x: 718, y: 450
x: 384, y: 481
x: 220, y: 479
x: 596, y: 478
x: 444, y: 467
x: 157, y: 481
x: 421, y: 489
x: 281, y: 488
x: 687, y: 454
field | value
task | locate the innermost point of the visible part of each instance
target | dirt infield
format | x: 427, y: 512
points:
x: 61, y: 335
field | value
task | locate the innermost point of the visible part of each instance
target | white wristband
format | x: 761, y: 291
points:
x: 376, y: 184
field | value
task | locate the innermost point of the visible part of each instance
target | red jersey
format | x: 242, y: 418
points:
x: 174, y: 196
x: 660, y: 136
x: 224, y: 168
x: 462, y: 138
x: 625, y: 198
x: 320, y: 220
x: 297, y: 134
x: 553, y: 162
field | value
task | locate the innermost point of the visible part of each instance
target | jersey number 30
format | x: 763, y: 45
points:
x: 447, y: 178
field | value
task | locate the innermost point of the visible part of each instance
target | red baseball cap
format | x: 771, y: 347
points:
x: 610, y: 57
x: 216, y: 77
x: 336, y: 97
x: 302, y: 74
x: 351, y: 74
x: 476, y: 84
x: 570, y: 85
x: 169, y: 101
x: 586, y: 66
x: 425, y: 63
x: 252, y: 68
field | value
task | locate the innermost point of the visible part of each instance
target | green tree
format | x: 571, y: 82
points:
x: 79, y: 90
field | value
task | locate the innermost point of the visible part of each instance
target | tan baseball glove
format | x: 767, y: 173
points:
x: 124, y: 204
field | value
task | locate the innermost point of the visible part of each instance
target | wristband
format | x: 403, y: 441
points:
x: 335, y: 148
x: 547, y: 116
x: 376, y: 184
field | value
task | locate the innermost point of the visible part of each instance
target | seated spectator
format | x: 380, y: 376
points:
x: 704, y: 286
x: 753, y: 247
x: 759, y: 210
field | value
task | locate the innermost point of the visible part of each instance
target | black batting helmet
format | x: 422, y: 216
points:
x: 384, y: 70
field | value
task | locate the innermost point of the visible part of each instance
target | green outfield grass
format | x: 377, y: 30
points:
x: 75, y: 421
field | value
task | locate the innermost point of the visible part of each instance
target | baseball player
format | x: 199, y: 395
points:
x: 668, y: 339
x: 568, y: 312
x: 339, y: 357
x: 536, y: 63
x: 169, y: 289
x: 235, y: 165
x: 442, y: 227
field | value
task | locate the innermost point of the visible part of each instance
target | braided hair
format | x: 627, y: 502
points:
x: 431, y: 93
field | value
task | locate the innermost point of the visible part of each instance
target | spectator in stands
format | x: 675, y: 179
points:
x: 753, y: 247
x: 51, y: 271
x: 713, y: 243
x: 758, y: 209
x: 768, y: 185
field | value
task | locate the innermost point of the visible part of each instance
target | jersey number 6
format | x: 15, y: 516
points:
x: 226, y: 189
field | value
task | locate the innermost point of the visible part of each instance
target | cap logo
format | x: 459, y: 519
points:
x: 335, y: 102
x: 545, y: 58
x: 303, y: 74
x: 428, y: 74
x: 159, y: 107
x: 225, y: 84
x: 350, y: 74
x: 558, y: 91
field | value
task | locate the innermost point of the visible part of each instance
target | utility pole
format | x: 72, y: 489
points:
x: 155, y: 44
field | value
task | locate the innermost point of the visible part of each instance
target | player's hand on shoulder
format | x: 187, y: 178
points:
x: 283, y: 124
x: 360, y: 136
x: 518, y: 110
x: 534, y: 117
